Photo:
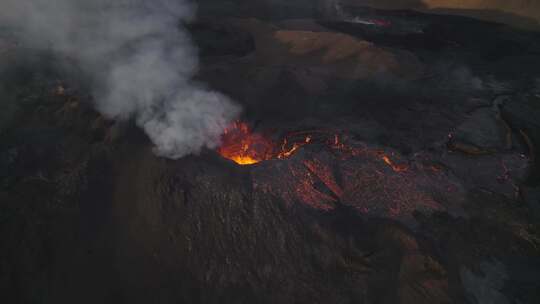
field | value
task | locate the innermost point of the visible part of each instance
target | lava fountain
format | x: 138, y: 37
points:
x: 241, y: 145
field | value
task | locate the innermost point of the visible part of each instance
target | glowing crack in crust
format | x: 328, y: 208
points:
x: 245, y: 147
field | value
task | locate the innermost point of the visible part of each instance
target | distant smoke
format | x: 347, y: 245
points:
x: 141, y: 62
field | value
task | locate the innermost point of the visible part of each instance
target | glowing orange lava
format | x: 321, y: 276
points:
x: 395, y: 167
x: 245, y: 147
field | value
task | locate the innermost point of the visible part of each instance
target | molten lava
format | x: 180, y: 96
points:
x: 245, y: 147
x: 395, y: 167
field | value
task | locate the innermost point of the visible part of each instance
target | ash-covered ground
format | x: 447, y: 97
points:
x: 431, y: 194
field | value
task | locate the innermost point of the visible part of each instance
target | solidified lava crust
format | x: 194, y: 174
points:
x: 391, y: 157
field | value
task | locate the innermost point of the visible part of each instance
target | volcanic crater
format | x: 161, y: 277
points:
x: 371, y: 164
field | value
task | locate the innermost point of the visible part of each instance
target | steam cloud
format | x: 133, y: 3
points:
x: 140, y: 60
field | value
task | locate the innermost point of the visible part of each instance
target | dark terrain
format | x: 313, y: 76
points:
x: 88, y: 214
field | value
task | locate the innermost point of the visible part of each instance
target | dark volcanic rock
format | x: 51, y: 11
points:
x: 391, y: 210
x: 482, y: 130
x: 221, y: 39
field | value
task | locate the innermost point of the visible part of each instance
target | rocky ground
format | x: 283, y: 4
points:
x: 90, y: 215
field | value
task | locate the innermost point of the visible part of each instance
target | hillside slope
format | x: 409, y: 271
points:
x: 520, y: 13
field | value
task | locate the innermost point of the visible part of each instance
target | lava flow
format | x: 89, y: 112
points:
x: 241, y: 145
x: 245, y: 147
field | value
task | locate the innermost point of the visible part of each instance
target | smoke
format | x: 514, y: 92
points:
x: 140, y: 60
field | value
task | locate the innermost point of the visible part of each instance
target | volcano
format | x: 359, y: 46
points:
x: 381, y: 156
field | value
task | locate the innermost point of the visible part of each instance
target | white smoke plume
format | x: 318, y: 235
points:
x: 141, y: 62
